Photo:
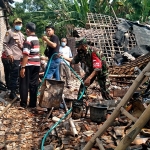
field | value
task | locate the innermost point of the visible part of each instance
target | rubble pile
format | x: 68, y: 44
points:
x: 101, y: 31
x: 24, y: 128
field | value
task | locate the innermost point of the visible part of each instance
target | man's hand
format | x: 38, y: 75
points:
x: 60, y: 55
x: 87, y: 82
x: 22, y: 72
x: 20, y: 45
x: 11, y: 58
x: 44, y: 38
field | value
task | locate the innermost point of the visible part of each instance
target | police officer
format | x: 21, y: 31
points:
x: 13, y: 44
x: 84, y: 55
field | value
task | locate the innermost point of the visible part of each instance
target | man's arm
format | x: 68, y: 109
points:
x: 24, y: 62
x: 6, y: 47
x: 66, y: 58
x: 94, y: 73
x: 88, y: 79
x: 41, y: 73
x: 26, y: 52
x: 49, y: 43
x: 70, y: 53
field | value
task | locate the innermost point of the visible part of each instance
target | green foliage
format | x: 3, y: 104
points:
x: 42, y: 47
x: 66, y: 14
x: 99, y: 6
x: 133, y: 10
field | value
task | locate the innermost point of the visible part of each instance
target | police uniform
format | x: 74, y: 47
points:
x: 6, y: 65
x: 12, y: 44
x: 88, y: 68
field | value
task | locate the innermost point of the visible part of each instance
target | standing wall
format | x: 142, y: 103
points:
x: 3, y: 30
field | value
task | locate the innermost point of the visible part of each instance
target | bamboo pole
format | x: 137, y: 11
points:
x: 48, y: 114
x: 116, y: 112
x: 133, y: 132
x: 7, y: 107
x: 127, y: 114
x: 73, y: 128
x: 122, y: 76
x: 100, y: 144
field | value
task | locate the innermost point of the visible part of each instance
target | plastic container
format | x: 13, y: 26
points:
x: 51, y: 93
x: 98, y: 112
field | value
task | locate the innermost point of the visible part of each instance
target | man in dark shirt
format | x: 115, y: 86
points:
x: 52, y: 42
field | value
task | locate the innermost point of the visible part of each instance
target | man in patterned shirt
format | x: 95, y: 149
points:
x: 85, y: 55
x: 30, y: 67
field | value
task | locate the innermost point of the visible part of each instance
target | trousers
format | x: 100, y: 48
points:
x: 29, y: 82
x: 65, y: 71
x: 53, y: 70
x: 14, y: 75
x: 6, y: 65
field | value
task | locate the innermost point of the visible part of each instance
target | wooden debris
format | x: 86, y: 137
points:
x: 25, y: 128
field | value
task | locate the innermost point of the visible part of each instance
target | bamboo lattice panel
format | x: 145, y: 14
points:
x: 101, y: 29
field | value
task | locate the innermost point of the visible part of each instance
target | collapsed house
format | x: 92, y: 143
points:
x: 120, y: 40
x: 86, y: 126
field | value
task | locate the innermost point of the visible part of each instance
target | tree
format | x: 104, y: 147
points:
x: 132, y: 10
x: 67, y: 14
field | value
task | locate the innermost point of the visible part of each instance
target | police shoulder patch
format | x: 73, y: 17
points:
x: 7, y: 33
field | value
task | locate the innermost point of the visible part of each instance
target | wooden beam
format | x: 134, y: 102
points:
x: 134, y: 131
x: 116, y: 112
x: 127, y: 114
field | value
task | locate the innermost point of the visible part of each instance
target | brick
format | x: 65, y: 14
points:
x: 119, y: 93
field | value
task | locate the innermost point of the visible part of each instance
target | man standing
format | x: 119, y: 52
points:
x: 64, y: 69
x: 30, y: 67
x: 13, y: 44
x: 93, y: 68
x: 53, y: 48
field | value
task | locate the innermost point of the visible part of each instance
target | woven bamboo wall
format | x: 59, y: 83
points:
x: 71, y: 44
x: 100, y: 29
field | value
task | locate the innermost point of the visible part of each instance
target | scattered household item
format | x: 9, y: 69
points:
x: 51, y: 93
x: 78, y: 109
x: 97, y: 112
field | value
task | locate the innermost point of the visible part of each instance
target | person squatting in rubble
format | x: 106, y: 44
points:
x: 95, y: 66
x: 42, y: 67
x: 64, y: 69
x: 13, y: 44
x: 30, y: 67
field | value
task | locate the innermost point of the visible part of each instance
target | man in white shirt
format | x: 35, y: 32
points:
x: 64, y: 69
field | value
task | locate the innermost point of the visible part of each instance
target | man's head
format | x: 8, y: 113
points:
x: 43, y: 60
x: 30, y: 28
x: 63, y: 42
x: 82, y: 45
x: 17, y: 24
x: 50, y: 30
